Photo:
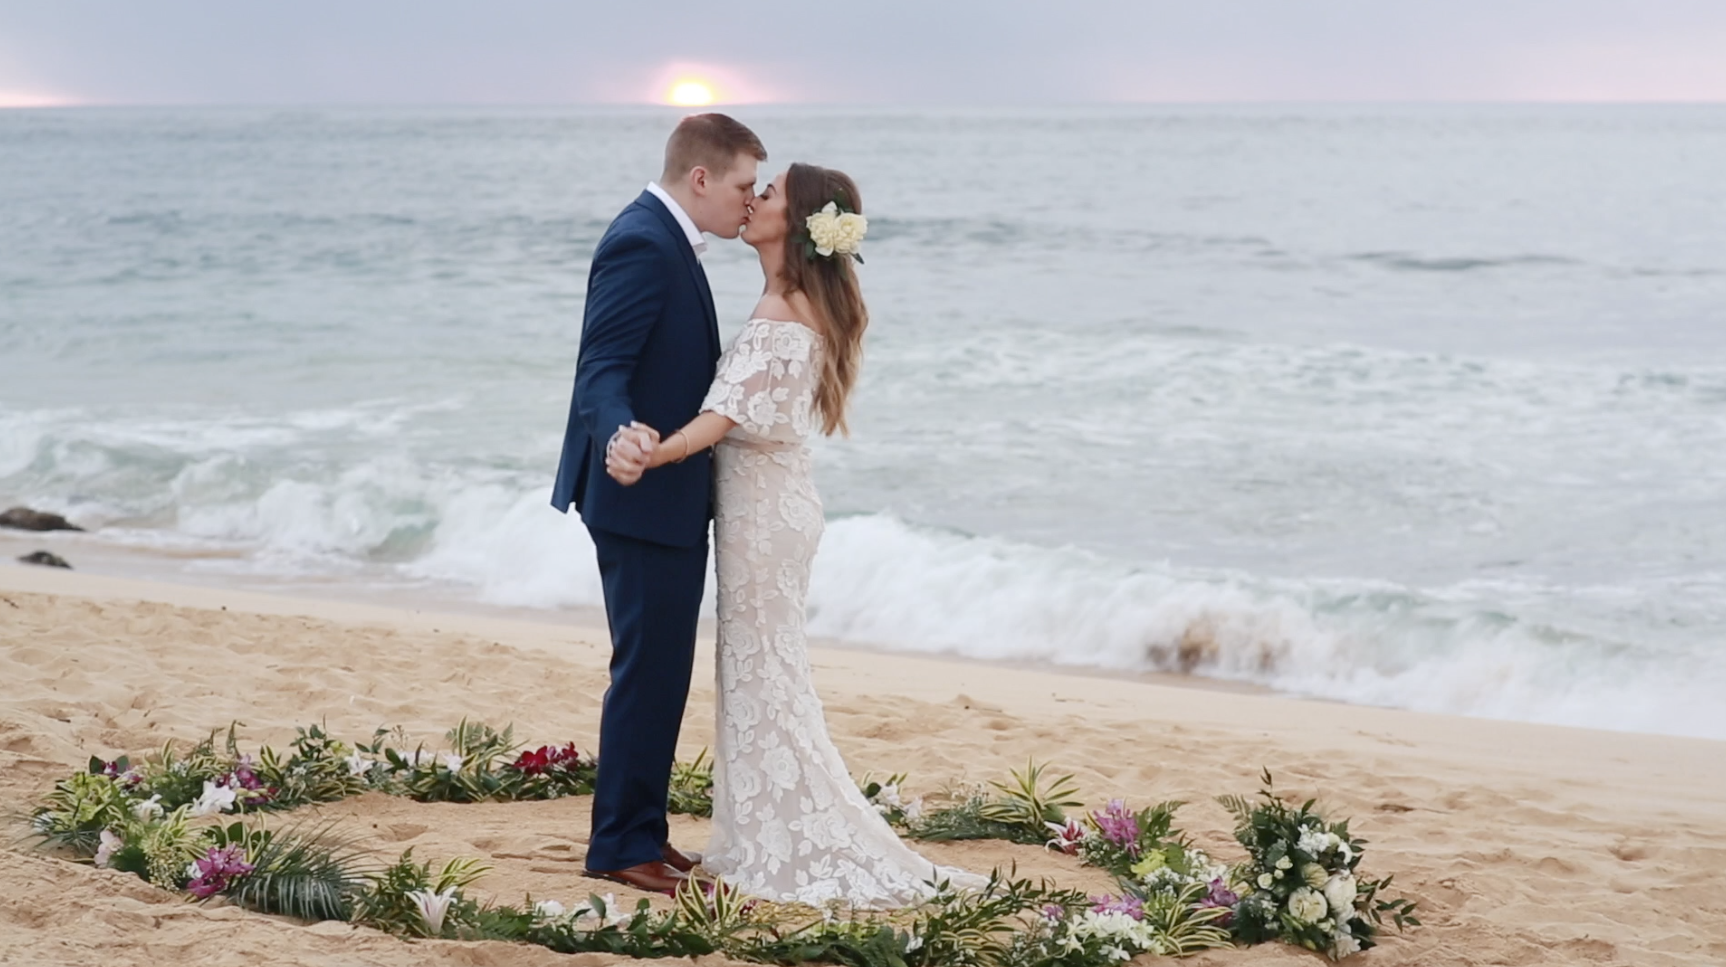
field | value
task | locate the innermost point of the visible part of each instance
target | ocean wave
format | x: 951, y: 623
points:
x: 406, y: 493
x: 1418, y: 263
x: 880, y: 581
x: 1478, y: 649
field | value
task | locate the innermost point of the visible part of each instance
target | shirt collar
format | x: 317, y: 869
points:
x: 690, y: 232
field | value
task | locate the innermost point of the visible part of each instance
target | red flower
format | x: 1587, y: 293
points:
x: 547, y: 758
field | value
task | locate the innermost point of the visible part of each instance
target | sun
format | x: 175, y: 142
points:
x: 690, y: 93
x: 23, y: 99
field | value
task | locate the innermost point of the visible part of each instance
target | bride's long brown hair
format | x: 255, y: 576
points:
x: 829, y: 283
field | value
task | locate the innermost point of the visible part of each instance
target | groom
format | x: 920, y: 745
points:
x: 649, y: 344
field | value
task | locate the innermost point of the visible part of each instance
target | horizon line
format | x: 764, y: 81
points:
x: 896, y: 105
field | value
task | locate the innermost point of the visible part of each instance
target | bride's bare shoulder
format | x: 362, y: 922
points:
x: 793, y: 307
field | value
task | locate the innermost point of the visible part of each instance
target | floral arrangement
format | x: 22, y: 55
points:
x: 835, y: 231
x: 1119, y: 928
x: 888, y: 801
x: 1019, y: 811
x: 1302, y: 880
x: 155, y: 819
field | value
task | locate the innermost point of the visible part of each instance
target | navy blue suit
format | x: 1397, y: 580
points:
x: 649, y: 344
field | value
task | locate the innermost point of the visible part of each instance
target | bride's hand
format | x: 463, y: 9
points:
x: 629, y: 452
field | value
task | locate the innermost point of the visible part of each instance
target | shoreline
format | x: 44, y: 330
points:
x: 143, y: 566
x: 560, y: 631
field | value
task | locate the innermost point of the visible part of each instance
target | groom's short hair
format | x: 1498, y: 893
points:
x: 711, y: 141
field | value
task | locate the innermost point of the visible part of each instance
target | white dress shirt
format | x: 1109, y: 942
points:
x: 690, y: 232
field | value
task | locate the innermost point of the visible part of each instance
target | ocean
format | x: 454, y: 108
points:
x: 1420, y: 407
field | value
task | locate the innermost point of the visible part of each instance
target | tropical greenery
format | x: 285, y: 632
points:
x: 166, y: 818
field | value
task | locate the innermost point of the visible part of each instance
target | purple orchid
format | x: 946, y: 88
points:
x: 127, y: 777
x: 243, y: 777
x: 217, y: 870
x: 1118, y: 825
x: 1221, y: 896
x: 1132, y: 906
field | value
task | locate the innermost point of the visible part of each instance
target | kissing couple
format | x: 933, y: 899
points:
x: 666, y: 432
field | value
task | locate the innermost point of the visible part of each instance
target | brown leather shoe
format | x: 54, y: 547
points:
x: 679, y: 861
x: 654, y: 877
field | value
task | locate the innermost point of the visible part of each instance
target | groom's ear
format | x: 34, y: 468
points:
x: 698, y: 179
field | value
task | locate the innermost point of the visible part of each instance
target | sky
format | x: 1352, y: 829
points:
x: 910, y: 52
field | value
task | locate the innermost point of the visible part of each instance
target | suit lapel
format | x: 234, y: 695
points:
x: 699, y: 275
x: 707, y: 303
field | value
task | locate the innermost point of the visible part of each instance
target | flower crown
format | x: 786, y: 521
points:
x: 835, y: 231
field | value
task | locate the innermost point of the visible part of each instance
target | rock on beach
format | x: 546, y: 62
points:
x: 25, y: 519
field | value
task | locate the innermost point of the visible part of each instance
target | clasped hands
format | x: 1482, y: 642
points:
x: 630, y: 452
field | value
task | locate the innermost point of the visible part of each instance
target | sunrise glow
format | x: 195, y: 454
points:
x: 22, y: 99
x: 691, y: 93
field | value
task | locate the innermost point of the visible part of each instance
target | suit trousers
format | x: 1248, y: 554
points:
x: 652, y: 603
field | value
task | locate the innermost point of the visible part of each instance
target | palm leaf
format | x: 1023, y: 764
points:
x: 691, y: 791
x: 1240, y: 808
x: 304, y: 873
x: 1028, y: 803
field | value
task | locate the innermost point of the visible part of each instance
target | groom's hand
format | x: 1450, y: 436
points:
x: 628, y: 453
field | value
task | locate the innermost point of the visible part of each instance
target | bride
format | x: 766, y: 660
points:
x: 789, y: 823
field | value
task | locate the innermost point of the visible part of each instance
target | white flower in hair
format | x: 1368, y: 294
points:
x: 835, y: 232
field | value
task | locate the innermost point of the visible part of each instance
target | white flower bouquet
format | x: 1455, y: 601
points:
x: 1302, y: 881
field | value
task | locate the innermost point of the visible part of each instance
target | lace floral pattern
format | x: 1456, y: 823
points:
x: 789, y: 823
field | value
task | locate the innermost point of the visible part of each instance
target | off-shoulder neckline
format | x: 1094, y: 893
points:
x: 785, y: 322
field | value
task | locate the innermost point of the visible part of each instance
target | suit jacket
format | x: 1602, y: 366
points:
x: 649, y: 345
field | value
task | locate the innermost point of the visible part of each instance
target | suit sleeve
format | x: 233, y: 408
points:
x: 625, y: 295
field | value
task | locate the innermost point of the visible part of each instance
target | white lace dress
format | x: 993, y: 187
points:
x: 789, y: 823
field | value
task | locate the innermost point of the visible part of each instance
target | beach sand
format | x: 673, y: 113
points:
x: 1523, y: 844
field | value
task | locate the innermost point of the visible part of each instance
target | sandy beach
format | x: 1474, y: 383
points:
x: 1523, y: 844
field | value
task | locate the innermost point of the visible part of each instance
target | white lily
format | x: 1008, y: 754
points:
x: 149, y: 809
x: 548, y: 910
x: 358, y: 765
x: 215, y: 799
x: 433, y: 906
x: 453, y: 762
x: 110, y: 844
x: 612, y: 914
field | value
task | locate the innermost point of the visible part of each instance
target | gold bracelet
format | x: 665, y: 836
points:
x: 685, y: 446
